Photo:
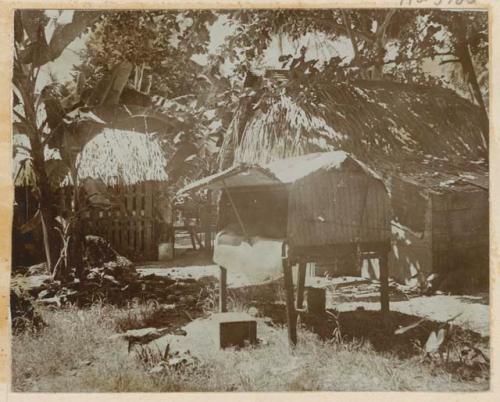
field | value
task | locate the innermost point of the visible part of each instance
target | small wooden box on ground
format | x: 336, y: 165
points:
x: 236, y: 329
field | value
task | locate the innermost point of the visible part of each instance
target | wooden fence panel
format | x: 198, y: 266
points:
x: 123, y: 222
x: 130, y: 227
x: 148, y: 220
x: 130, y: 210
x: 109, y: 227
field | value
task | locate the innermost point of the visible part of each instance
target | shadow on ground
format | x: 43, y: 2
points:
x: 370, y: 326
x: 183, y: 258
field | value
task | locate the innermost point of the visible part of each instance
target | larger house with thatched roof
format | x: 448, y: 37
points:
x: 427, y: 143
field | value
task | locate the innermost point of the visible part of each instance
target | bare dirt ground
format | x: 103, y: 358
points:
x: 349, y: 293
x: 354, y: 312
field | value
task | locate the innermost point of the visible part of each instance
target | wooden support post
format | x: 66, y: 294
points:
x: 223, y: 290
x: 208, y: 223
x: 172, y: 239
x: 291, y: 316
x: 384, y: 283
x: 192, y: 236
x: 301, y: 284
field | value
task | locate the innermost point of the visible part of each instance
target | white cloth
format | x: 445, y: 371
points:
x: 255, y: 260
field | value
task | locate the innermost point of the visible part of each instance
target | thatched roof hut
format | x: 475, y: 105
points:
x: 128, y: 172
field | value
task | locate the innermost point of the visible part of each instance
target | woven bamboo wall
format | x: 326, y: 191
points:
x: 338, y: 207
x: 460, y: 233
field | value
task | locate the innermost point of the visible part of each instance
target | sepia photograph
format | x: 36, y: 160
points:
x: 250, y: 200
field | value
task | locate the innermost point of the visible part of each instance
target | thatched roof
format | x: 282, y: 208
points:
x: 114, y: 156
x: 412, y: 131
x: 122, y: 157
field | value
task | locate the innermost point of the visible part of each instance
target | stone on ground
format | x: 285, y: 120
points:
x: 202, y: 337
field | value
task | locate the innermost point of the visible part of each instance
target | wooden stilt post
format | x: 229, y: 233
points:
x: 291, y: 316
x: 208, y: 223
x: 173, y: 222
x: 290, y: 308
x: 384, y: 283
x: 301, y: 284
x: 172, y: 239
x: 192, y: 236
x: 223, y: 290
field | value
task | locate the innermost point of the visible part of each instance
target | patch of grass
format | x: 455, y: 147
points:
x: 73, y: 354
x: 144, y: 315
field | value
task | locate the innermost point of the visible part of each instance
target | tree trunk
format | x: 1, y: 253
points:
x: 46, y: 206
x: 380, y: 46
x: 208, y: 223
x: 46, y: 243
x: 76, y: 250
x: 471, y: 78
x: 76, y: 246
x: 24, y: 80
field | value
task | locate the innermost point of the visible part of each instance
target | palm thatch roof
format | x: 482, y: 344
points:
x: 114, y: 156
x: 122, y: 157
x: 423, y: 134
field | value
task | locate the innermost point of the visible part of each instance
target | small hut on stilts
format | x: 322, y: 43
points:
x: 295, y: 211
